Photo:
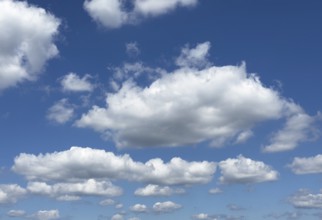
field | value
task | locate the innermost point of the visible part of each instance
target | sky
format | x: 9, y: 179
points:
x: 173, y: 109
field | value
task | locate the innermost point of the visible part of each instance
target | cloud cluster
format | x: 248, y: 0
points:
x: 192, y: 105
x: 115, y: 13
x: 26, y: 42
x: 245, y: 170
x: 86, y: 163
x: 304, y: 199
x: 74, y: 83
x: 307, y: 165
x: 156, y: 190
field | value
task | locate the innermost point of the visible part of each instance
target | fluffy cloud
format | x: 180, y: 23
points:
x: 245, y: 170
x: 117, y: 217
x: 156, y: 190
x: 68, y: 191
x: 304, y: 199
x: 72, y: 82
x: 10, y: 193
x: 107, y: 202
x: 16, y: 213
x: 306, y: 165
x: 61, y: 112
x: 114, y: 14
x: 85, y: 163
x: 220, y: 104
x: 27, y: 43
x: 139, y: 208
x: 46, y: 215
x: 166, y: 207
x: 201, y: 216
x: 215, y: 191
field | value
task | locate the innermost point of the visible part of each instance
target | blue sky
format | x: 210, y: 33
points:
x: 145, y: 109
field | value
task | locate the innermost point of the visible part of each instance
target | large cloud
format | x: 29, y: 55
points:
x: 306, y: 165
x: 26, y: 41
x: 114, y: 14
x: 86, y: 163
x: 192, y: 104
x: 245, y: 170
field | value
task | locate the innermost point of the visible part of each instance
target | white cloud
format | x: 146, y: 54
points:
x: 114, y: 14
x: 46, y: 214
x: 201, y: 216
x: 220, y: 105
x: 139, y: 208
x: 85, y: 163
x: 119, y: 206
x: 27, y: 43
x: 297, y: 129
x: 165, y: 207
x: 195, y: 57
x: 68, y: 198
x: 61, y: 112
x: 16, y: 213
x: 306, y: 165
x: 156, y: 190
x: 117, y: 217
x: 107, y: 202
x: 245, y: 170
x: 134, y: 218
x: 89, y: 187
x: 74, y: 83
x: 215, y: 191
x: 10, y: 193
x: 304, y: 199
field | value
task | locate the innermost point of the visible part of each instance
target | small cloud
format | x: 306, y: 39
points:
x: 16, y: 213
x: 139, y: 208
x: 10, y: 193
x: 61, y: 112
x: 107, y: 202
x: 46, y: 215
x: 307, y: 165
x: 156, y: 190
x: 132, y: 49
x: 73, y: 83
x: 306, y: 200
x: 166, y: 207
x: 215, y: 191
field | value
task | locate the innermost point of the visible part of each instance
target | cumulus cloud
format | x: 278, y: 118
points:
x: 215, y: 191
x: 190, y: 105
x: 156, y: 190
x: 16, y: 213
x: 117, y: 217
x: 166, y: 207
x: 72, y: 191
x: 114, y: 13
x: 74, y: 83
x: 201, y: 216
x: 28, y: 42
x: 10, y: 193
x: 61, y: 112
x: 107, y: 202
x: 139, y: 208
x: 79, y: 163
x: 46, y: 215
x: 245, y: 170
x: 304, y: 199
x: 307, y: 165
x: 204, y: 216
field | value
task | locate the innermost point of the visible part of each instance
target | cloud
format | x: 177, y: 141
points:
x: 16, y: 213
x: 114, y: 13
x: 166, y: 207
x: 245, y: 170
x: 234, y: 207
x: 61, y: 112
x: 195, y: 57
x: 156, y: 190
x: 74, y: 83
x: 72, y: 191
x: 86, y: 163
x: 10, y: 193
x: 214, y: 104
x: 204, y: 216
x: 201, y: 216
x: 46, y: 215
x: 307, y: 165
x: 28, y: 42
x: 297, y: 129
x: 215, y: 191
x: 306, y: 200
x: 117, y: 217
x: 132, y: 49
x: 107, y: 202
x: 285, y: 215
x: 134, y: 218
x: 139, y: 208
